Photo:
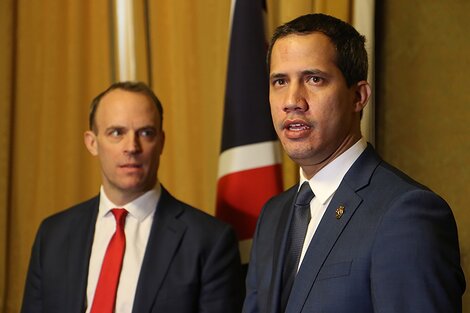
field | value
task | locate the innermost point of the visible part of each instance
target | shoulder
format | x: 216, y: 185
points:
x: 283, y: 197
x: 391, y: 184
x: 195, y: 220
x: 374, y: 178
x: 387, y: 194
x: 276, y: 207
x: 399, y: 199
x: 71, y: 215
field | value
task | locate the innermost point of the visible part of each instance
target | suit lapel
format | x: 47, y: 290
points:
x: 322, y: 242
x: 279, y: 245
x: 165, y: 236
x: 330, y: 228
x: 80, y: 238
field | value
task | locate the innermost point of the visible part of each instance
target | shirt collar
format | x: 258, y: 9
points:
x: 328, y: 179
x: 139, y: 208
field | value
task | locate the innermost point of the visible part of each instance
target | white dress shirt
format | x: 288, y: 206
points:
x: 324, y: 185
x: 137, y: 229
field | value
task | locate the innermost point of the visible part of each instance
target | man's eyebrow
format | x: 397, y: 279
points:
x: 303, y: 73
x: 277, y: 75
x: 313, y: 72
x: 113, y: 127
x: 147, y: 127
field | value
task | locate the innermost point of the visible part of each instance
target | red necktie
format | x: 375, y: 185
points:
x: 104, y: 300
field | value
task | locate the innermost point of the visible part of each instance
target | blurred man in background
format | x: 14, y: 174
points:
x: 134, y: 247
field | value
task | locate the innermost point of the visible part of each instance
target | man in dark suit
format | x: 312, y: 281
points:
x: 360, y: 236
x: 164, y: 256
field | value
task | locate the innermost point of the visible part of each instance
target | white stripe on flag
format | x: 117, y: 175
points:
x: 248, y: 157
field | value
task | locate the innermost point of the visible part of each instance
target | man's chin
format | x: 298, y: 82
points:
x: 297, y: 151
x: 135, y: 187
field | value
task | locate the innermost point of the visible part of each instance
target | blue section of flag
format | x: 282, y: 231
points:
x: 247, y: 117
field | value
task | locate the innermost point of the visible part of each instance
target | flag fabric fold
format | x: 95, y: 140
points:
x: 250, y: 160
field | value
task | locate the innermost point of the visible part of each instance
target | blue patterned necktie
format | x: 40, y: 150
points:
x: 295, y: 240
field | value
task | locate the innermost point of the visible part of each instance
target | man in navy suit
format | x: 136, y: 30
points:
x: 176, y: 259
x: 371, y: 238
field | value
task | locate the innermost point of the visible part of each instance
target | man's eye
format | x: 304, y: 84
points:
x: 115, y: 133
x: 315, y: 79
x: 279, y: 82
x: 147, y: 133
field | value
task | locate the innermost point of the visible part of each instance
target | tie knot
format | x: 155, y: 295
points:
x: 120, y: 216
x: 305, y: 195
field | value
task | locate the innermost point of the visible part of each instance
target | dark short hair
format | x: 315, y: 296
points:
x: 138, y: 87
x: 351, y: 55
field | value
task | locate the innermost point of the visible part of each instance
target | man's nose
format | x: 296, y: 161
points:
x: 296, y: 99
x: 133, y: 145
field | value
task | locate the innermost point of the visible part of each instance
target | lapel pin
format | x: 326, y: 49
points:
x: 339, y: 212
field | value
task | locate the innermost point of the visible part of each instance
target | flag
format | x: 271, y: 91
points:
x: 250, y: 160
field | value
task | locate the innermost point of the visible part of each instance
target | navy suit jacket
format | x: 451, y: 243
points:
x: 394, y: 249
x: 191, y: 263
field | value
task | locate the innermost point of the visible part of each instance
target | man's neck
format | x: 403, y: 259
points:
x: 121, y: 198
x: 310, y: 170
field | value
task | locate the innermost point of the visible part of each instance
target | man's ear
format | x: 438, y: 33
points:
x: 362, y: 94
x: 89, y: 138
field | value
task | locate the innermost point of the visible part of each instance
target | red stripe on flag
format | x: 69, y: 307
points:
x: 241, y: 195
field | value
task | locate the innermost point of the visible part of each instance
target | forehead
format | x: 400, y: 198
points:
x: 309, y: 50
x: 122, y: 107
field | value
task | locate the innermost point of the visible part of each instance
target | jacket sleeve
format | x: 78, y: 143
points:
x: 416, y: 259
x: 32, y: 300
x: 222, y: 279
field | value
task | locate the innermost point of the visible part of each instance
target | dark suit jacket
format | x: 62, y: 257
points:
x: 395, y: 249
x: 191, y: 263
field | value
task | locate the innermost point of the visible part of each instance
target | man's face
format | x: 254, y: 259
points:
x: 315, y: 114
x: 128, y: 141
